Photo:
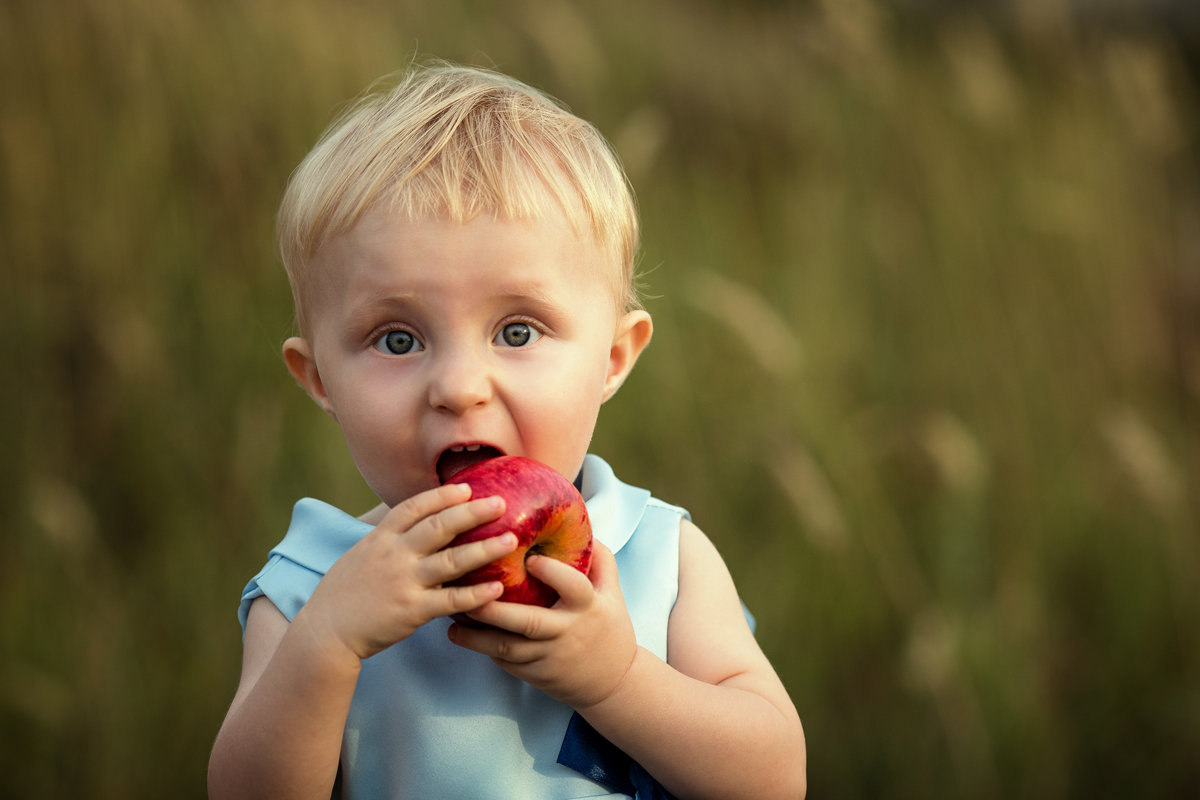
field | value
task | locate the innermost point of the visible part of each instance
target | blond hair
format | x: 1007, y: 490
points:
x: 458, y: 141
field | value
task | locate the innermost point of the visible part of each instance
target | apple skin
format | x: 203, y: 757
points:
x: 543, y: 509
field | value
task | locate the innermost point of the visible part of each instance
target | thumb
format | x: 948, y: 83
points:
x: 603, y: 572
x: 573, y: 587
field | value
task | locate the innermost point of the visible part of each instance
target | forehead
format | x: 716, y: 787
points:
x: 388, y: 252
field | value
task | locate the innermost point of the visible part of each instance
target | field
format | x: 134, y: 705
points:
x: 926, y: 365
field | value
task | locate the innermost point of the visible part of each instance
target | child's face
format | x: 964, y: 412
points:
x: 431, y: 337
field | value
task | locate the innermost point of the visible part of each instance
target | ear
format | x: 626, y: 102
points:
x: 632, y: 335
x: 302, y: 363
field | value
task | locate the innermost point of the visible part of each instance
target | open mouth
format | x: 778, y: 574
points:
x: 455, y: 459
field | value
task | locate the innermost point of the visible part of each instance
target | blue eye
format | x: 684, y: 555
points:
x: 398, y: 343
x: 517, y: 334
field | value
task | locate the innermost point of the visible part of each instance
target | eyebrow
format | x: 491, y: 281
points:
x: 528, y: 291
x: 364, y: 314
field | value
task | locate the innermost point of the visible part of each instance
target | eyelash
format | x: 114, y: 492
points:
x: 379, y: 336
x: 538, y: 329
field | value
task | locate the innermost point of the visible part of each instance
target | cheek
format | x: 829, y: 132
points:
x: 575, y: 380
x: 562, y: 408
x: 369, y: 417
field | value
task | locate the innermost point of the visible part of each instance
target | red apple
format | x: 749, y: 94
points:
x: 546, y: 513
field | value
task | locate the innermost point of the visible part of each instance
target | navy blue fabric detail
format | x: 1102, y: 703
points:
x: 588, y: 753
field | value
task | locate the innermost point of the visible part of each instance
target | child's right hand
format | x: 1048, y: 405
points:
x: 390, y: 583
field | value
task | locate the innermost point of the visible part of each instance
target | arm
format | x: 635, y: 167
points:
x: 712, y: 721
x: 273, y: 743
x: 282, y: 735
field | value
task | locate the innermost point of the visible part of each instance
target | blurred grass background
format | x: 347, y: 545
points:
x: 927, y: 366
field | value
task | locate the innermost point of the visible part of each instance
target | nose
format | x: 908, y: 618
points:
x: 460, y: 381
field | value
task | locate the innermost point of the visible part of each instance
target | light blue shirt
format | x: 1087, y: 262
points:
x: 430, y: 719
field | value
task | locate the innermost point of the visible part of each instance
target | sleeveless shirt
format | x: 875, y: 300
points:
x: 430, y: 719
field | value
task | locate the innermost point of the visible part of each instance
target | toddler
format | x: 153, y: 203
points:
x: 460, y: 250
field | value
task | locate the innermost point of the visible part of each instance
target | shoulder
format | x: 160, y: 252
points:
x: 709, y: 637
x: 703, y: 575
x: 317, y: 536
x: 264, y: 629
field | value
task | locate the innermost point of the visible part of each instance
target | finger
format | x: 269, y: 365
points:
x: 461, y: 599
x: 530, y: 622
x: 603, y: 574
x: 403, y: 516
x: 437, y: 530
x: 454, y: 562
x: 496, y: 644
x: 573, y: 587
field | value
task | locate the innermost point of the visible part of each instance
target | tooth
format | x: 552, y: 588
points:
x: 456, y: 449
x: 471, y: 448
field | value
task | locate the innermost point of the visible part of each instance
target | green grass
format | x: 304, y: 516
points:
x: 926, y: 367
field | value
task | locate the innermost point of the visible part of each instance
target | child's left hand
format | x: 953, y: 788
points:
x: 578, y: 650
